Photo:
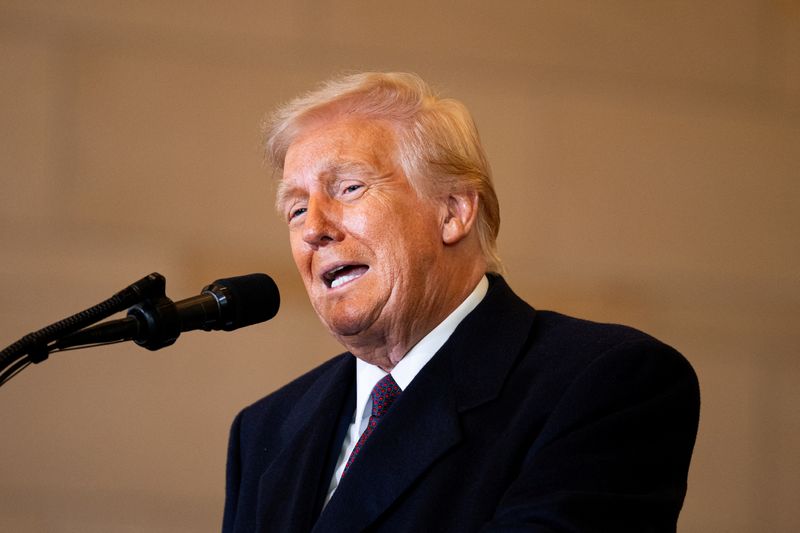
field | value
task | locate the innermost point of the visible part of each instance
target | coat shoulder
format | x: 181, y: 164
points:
x: 274, y: 407
x: 567, y: 349
x: 551, y: 325
x: 560, y: 334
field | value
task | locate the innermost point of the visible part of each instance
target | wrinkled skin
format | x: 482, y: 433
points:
x: 408, y: 261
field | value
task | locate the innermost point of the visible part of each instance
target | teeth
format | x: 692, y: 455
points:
x: 344, y: 279
x: 330, y: 275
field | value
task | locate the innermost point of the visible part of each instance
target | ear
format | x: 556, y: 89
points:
x: 462, y: 210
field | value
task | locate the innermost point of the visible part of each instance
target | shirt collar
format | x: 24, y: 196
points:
x: 368, y: 375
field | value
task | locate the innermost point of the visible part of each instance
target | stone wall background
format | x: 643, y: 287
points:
x: 646, y: 155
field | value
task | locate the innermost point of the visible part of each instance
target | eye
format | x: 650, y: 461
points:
x: 294, y: 213
x: 351, y: 188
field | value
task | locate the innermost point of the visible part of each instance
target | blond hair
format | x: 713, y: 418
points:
x: 439, y: 148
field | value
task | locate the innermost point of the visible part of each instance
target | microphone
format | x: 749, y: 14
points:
x: 225, y: 304
x: 230, y: 303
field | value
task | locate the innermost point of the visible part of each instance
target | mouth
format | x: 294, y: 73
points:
x: 342, y: 274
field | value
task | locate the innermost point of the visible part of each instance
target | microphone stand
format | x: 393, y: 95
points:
x: 152, y: 324
x: 35, y: 347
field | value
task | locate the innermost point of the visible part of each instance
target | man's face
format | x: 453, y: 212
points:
x: 367, y: 247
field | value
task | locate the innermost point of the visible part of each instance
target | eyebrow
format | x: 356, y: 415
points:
x: 347, y: 167
x: 283, y: 194
x: 333, y: 171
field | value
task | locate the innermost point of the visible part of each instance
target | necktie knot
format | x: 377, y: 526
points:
x: 384, y: 394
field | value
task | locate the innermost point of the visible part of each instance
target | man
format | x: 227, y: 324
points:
x: 457, y: 406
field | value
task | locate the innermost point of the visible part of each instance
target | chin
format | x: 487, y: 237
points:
x: 348, y: 322
x: 345, y: 327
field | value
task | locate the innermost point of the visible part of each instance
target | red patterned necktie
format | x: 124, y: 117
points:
x: 383, y: 395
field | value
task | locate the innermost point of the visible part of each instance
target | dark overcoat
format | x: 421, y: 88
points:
x: 523, y: 421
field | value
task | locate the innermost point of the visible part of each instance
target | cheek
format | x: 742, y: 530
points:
x: 361, y: 222
x: 300, y: 256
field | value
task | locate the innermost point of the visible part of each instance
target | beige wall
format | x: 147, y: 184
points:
x: 646, y: 158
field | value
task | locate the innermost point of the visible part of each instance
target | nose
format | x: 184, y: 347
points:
x: 320, y: 224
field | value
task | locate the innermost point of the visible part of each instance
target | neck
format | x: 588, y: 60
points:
x: 387, y: 346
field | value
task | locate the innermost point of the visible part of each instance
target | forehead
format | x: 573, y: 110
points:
x: 342, y: 143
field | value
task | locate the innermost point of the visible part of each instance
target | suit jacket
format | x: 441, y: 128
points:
x: 523, y: 421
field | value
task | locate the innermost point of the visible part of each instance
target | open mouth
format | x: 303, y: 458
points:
x: 336, y: 277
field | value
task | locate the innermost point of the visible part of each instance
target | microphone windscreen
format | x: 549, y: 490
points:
x: 254, y: 298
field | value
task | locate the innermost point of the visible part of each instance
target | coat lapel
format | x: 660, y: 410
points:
x: 424, y: 424
x: 290, y: 485
x: 387, y: 465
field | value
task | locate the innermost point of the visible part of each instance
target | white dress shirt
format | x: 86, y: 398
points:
x: 368, y: 375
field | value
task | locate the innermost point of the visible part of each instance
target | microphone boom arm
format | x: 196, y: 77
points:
x: 33, y: 347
